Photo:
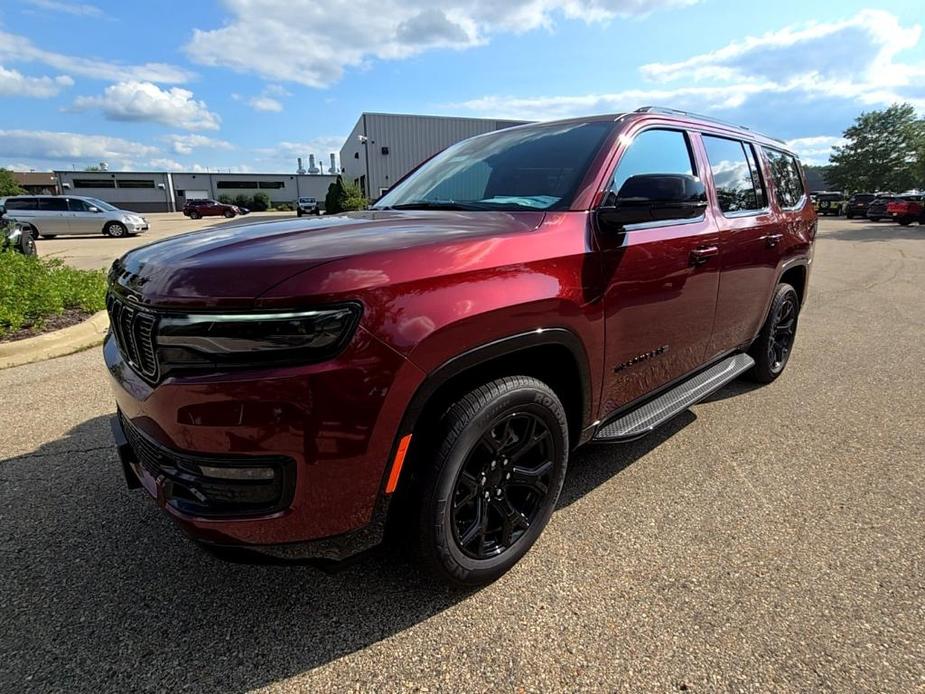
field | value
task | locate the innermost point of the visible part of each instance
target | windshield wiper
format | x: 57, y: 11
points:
x: 435, y: 205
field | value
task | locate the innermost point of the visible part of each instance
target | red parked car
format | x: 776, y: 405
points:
x: 427, y: 366
x: 195, y: 209
x: 907, y: 209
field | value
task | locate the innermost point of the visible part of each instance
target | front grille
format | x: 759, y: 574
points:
x: 135, y: 335
x: 189, y: 490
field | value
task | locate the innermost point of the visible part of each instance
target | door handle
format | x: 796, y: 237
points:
x: 701, y: 255
x: 772, y: 239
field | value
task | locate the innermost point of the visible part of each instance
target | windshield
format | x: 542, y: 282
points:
x: 101, y: 204
x: 528, y: 168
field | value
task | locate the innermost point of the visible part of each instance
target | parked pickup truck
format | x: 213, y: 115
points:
x: 907, y: 209
x: 307, y: 206
x: 427, y: 367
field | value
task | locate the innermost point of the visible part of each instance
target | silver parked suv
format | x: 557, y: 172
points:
x: 53, y: 215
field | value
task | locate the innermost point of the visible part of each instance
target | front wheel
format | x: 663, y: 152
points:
x: 229, y: 214
x: 115, y: 230
x: 771, y: 349
x: 194, y: 215
x: 495, y: 480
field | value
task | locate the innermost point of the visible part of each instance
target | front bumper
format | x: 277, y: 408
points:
x: 329, y: 428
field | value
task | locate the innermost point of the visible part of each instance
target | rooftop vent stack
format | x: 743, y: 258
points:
x: 312, y: 169
x: 301, y: 169
x: 333, y: 169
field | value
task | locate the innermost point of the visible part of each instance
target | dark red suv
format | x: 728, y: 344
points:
x: 195, y: 209
x: 428, y: 366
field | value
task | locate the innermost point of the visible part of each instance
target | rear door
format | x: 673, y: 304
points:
x: 52, y: 216
x: 83, y: 221
x: 751, y: 238
x: 661, y: 279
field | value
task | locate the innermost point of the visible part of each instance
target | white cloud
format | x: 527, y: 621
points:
x: 265, y: 38
x: 14, y: 48
x: 265, y: 103
x: 283, y: 155
x: 820, y: 74
x: 67, y: 148
x: 815, y: 149
x: 14, y: 83
x: 164, y: 164
x: 144, y: 101
x: 185, y: 144
x: 80, y: 9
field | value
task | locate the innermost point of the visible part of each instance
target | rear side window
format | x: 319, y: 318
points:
x: 654, y: 152
x: 786, y: 175
x: 52, y: 205
x: 20, y: 204
x: 735, y: 176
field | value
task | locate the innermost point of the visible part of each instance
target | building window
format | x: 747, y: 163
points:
x: 134, y: 183
x: 236, y: 185
x: 272, y: 185
x: 94, y: 183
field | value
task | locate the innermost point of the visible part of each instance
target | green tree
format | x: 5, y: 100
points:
x: 343, y: 197
x: 884, y: 151
x: 261, y: 202
x: 8, y: 184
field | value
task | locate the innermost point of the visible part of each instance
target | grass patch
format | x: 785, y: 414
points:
x: 34, y: 289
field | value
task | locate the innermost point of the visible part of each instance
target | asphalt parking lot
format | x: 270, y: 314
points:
x: 98, y: 251
x: 770, y: 539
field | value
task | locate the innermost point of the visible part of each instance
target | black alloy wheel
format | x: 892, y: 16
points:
x: 502, y: 485
x: 772, y: 348
x: 491, y: 485
x: 783, y: 332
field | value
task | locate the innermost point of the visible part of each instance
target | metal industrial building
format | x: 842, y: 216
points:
x: 383, y: 147
x: 168, y: 192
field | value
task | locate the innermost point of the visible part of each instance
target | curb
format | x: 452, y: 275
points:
x: 55, y: 344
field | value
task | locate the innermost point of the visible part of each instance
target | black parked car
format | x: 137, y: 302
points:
x: 876, y: 210
x: 857, y: 205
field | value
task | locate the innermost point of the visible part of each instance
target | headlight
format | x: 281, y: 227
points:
x: 246, y: 339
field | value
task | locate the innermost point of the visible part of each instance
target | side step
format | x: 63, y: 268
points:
x: 645, y: 418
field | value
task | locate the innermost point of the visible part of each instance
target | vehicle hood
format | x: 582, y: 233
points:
x: 235, y: 264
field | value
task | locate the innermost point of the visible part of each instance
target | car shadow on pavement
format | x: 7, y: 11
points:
x: 857, y: 230
x: 100, y: 591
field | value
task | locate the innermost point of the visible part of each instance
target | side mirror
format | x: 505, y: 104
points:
x: 654, y: 198
x: 93, y: 209
x: 2, y: 210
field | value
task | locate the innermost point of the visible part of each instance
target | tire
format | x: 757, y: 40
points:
x: 298, y: 213
x: 463, y: 537
x: 849, y: 216
x: 904, y: 221
x: 115, y: 230
x: 195, y: 215
x: 228, y: 214
x: 772, y: 348
x: 874, y: 219
x: 48, y: 236
x: 27, y: 245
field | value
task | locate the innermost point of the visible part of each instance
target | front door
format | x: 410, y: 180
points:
x: 83, y: 221
x: 661, y: 281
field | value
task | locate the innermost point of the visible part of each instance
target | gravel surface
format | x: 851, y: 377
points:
x: 769, y: 539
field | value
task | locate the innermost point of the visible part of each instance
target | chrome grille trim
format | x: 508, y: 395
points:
x: 134, y: 330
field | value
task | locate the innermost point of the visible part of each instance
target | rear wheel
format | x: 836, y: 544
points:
x: 115, y: 230
x: 229, y: 214
x: 771, y: 350
x: 904, y: 221
x: 194, y: 215
x: 495, y: 480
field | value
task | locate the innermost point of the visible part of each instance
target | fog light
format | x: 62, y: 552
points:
x: 237, y: 473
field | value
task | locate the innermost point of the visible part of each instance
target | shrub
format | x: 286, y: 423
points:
x: 225, y: 199
x: 8, y: 184
x: 34, y: 289
x: 260, y: 203
x: 343, y: 197
x: 243, y: 201
x: 284, y: 207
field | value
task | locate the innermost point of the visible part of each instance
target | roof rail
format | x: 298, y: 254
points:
x: 710, y: 119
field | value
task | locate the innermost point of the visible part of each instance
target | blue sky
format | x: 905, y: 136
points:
x: 249, y: 85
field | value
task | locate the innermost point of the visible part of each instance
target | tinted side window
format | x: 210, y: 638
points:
x: 761, y: 193
x: 77, y: 205
x: 52, y: 205
x: 21, y: 204
x: 733, y: 177
x: 654, y: 152
x: 786, y: 174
